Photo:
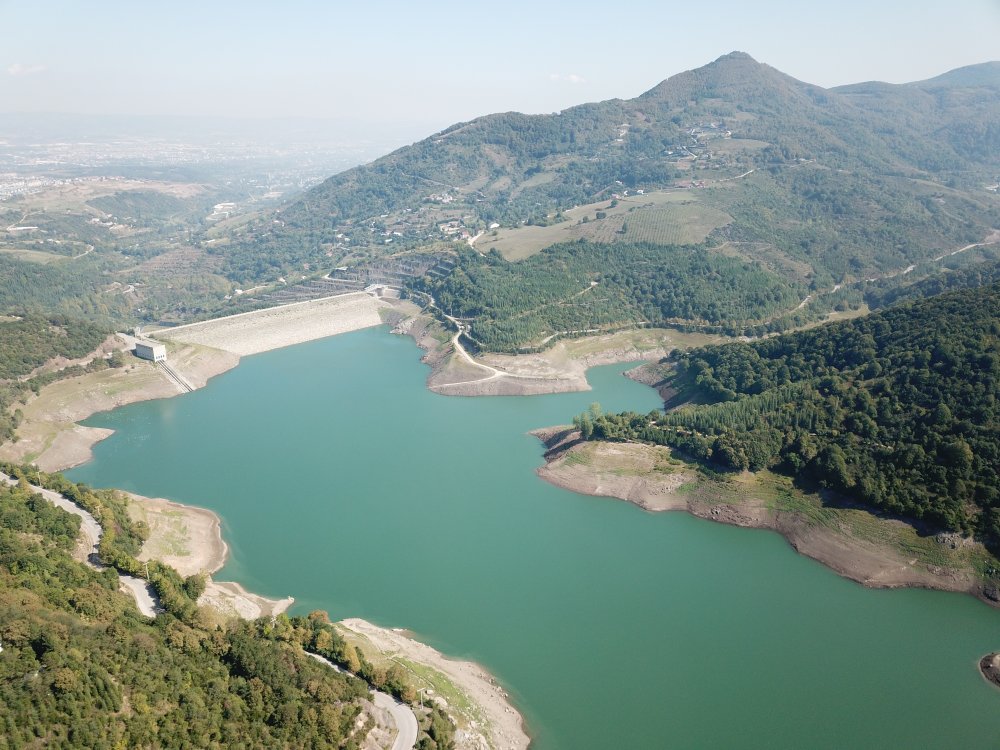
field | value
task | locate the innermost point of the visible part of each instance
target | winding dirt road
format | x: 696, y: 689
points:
x: 461, y: 351
x: 140, y: 590
x: 406, y: 720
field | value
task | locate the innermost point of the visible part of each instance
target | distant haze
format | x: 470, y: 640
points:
x: 422, y: 66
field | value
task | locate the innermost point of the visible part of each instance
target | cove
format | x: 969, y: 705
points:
x: 343, y: 482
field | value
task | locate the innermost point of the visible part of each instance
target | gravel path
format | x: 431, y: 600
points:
x: 140, y: 590
x: 406, y: 720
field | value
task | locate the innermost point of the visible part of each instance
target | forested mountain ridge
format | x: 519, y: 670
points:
x: 898, y: 409
x: 849, y: 181
x: 969, y: 76
x: 591, y: 287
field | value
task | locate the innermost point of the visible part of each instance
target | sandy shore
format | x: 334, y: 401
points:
x: 186, y: 538
x: 487, y: 718
x: 853, y: 542
x: 559, y: 369
x: 230, y: 599
x: 276, y: 327
x: 189, y: 540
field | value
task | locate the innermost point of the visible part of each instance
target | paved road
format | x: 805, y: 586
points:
x: 406, y: 720
x: 141, y: 590
x: 143, y: 593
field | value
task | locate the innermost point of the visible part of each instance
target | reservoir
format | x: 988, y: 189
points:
x: 342, y: 481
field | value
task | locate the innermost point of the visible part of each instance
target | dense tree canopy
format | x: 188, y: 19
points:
x: 582, y: 286
x: 31, y: 341
x: 898, y: 409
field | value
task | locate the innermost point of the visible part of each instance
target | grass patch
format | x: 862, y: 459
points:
x: 442, y: 686
x: 673, y: 224
x: 33, y: 256
x: 668, y: 217
x: 903, y: 538
x: 578, y: 458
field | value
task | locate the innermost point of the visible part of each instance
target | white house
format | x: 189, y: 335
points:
x: 150, y: 350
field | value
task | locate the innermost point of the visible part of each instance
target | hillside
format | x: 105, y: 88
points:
x: 80, y: 667
x: 897, y: 410
x: 816, y: 190
x: 28, y: 343
x: 587, y: 287
x: 823, y: 186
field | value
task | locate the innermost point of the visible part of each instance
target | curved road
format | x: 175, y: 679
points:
x: 140, y: 590
x: 461, y: 351
x: 406, y: 720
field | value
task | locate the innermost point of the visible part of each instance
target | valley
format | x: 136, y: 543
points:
x: 801, y: 283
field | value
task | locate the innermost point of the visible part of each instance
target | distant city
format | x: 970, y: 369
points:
x: 267, y: 158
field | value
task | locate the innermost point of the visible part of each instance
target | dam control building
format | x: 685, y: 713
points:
x: 151, y: 350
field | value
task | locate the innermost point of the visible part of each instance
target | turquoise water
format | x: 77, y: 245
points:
x: 343, y: 482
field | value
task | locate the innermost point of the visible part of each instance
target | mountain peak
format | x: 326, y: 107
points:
x: 734, y: 55
x: 728, y: 76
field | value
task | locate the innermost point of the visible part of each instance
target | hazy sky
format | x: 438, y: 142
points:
x: 438, y: 62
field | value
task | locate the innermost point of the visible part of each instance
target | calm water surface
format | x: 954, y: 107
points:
x: 343, y: 482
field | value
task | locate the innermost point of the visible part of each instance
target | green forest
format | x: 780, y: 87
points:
x: 29, y: 342
x: 81, y: 667
x: 62, y: 288
x: 583, y: 286
x: 898, y: 409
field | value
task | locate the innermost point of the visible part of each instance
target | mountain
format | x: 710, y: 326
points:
x: 958, y: 112
x: 984, y: 75
x: 821, y: 187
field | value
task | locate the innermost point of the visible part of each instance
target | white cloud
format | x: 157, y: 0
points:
x: 567, y: 78
x: 20, y: 69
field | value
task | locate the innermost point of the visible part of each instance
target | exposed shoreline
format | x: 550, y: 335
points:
x: 989, y: 668
x: 649, y: 477
x: 190, y: 539
x: 52, y: 438
x: 560, y: 368
x: 488, y: 721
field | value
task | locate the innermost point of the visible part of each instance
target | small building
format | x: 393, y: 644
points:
x: 150, y: 350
